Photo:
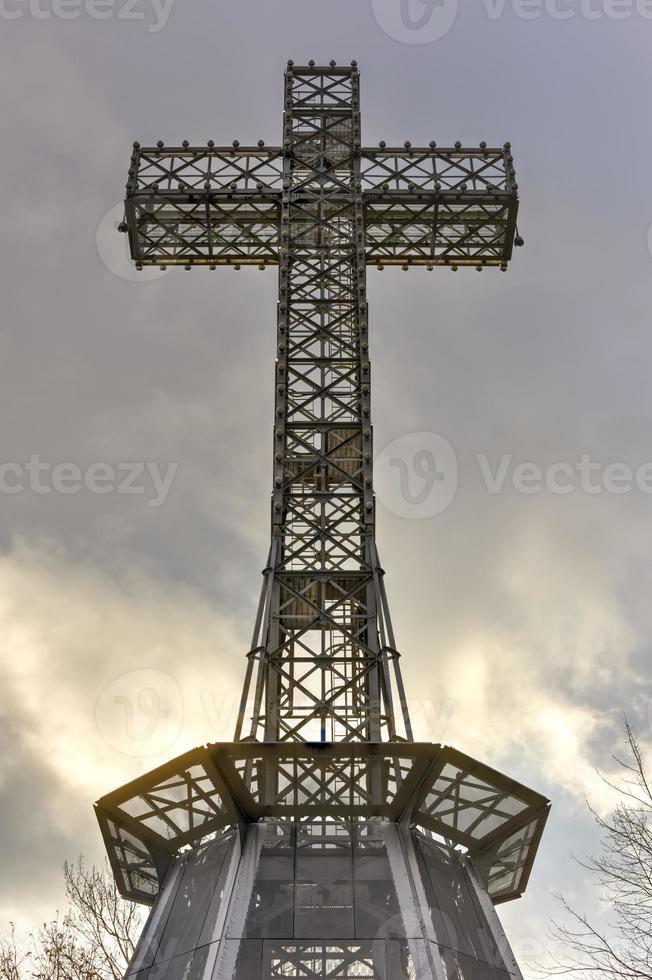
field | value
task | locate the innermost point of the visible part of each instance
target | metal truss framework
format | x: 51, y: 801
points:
x: 323, y: 749
x: 223, y: 205
x: 212, y: 789
x: 323, y: 664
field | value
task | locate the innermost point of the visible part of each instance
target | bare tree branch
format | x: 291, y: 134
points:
x: 93, y: 940
x: 623, y: 873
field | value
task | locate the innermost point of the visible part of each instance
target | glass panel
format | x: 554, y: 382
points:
x: 193, y: 899
x: 324, y: 881
x: 377, y: 912
x: 229, y: 843
x: 470, y: 805
x: 132, y: 859
x: 459, y: 923
x: 272, y: 901
x: 189, y: 966
x: 151, y: 935
x: 249, y: 958
x: 409, y: 961
x: 506, y: 870
x: 182, y: 802
x: 457, y: 966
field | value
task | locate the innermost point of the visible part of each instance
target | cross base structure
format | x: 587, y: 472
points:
x: 323, y: 842
x: 327, y: 879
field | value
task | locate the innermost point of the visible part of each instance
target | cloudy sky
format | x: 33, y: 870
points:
x: 522, y: 607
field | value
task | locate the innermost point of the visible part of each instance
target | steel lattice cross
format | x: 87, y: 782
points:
x: 323, y: 664
x: 324, y: 840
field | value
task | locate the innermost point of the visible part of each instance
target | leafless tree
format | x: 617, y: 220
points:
x: 623, y: 875
x: 93, y: 940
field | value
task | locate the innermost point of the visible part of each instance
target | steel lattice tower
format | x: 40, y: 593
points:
x: 322, y: 842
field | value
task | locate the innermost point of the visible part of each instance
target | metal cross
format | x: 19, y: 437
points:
x: 323, y: 665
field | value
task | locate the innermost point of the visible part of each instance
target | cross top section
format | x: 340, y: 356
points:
x: 323, y: 665
x: 221, y: 205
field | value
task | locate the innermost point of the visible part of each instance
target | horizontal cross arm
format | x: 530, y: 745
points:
x: 206, y: 205
x: 203, y: 229
x: 221, y: 205
x: 439, y: 206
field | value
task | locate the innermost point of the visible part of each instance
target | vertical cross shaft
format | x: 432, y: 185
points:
x: 323, y: 665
